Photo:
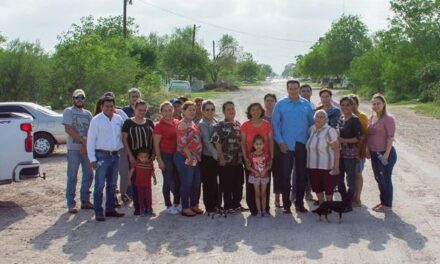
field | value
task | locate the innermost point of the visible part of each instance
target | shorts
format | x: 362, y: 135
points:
x: 258, y: 180
x: 360, y: 165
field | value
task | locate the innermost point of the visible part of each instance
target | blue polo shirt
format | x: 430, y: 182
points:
x: 291, y: 121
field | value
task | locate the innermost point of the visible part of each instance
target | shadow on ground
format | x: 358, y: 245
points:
x: 10, y: 212
x: 303, y: 233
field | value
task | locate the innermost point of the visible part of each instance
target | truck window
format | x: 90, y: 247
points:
x: 15, y: 109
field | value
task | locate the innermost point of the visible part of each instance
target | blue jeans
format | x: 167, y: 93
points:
x: 106, y: 175
x: 74, y: 159
x: 347, y: 166
x: 171, y: 182
x: 382, y: 174
x: 189, y: 181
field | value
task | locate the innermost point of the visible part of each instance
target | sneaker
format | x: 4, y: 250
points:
x: 86, y: 205
x: 178, y: 207
x: 172, y: 210
x: 287, y: 211
x: 72, y: 210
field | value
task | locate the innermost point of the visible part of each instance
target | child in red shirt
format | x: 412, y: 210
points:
x: 144, y: 170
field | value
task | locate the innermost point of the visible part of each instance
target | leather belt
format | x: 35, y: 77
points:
x: 108, y: 152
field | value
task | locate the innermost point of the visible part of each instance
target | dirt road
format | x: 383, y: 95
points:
x: 35, y: 228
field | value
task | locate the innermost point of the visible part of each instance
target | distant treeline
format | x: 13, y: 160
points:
x: 402, y: 61
x: 93, y: 55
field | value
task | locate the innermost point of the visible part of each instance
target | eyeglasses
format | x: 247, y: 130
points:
x: 209, y: 109
x: 80, y: 97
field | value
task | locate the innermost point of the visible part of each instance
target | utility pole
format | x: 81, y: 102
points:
x: 125, y: 16
x: 213, y: 50
x: 192, y: 51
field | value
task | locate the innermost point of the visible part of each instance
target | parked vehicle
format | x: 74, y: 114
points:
x: 16, y: 139
x: 179, y: 86
x: 47, y: 125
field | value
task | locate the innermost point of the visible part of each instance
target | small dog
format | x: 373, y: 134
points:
x: 338, y: 206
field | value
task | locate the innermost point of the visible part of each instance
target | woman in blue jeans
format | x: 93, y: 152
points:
x: 187, y: 159
x: 165, y: 146
x: 380, y: 138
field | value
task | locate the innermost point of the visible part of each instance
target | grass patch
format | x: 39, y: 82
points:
x: 430, y: 109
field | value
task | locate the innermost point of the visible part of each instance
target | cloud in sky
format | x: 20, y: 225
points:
x: 304, y: 20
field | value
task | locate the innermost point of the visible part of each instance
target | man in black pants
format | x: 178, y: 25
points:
x: 291, y: 119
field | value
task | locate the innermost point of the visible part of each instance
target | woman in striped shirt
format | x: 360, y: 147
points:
x: 323, y: 157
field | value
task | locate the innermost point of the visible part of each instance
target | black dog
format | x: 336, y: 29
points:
x: 338, y: 206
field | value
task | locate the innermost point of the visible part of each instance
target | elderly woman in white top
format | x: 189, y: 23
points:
x: 323, y: 157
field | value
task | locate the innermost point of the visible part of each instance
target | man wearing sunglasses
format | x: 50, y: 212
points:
x: 76, y: 121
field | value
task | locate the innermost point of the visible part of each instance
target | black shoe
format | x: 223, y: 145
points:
x: 117, y: 204
x: 286, y: 211
x: 301, y: 209
x: 114, y: 214
x: 100, y: 218
x: 136, y: 212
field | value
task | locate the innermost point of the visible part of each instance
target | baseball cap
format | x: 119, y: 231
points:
x: 175, y: 101
x: 79, y: 92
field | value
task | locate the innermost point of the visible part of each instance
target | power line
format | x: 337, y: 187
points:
x: 224, y: 28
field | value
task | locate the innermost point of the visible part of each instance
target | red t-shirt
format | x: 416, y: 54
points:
x: 168, y: 141
x: 251, y: 131
x: 143, y: 172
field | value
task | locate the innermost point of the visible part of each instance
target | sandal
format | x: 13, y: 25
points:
x: 376, y: 206
x: 188, y: 212
x: 382, y: 209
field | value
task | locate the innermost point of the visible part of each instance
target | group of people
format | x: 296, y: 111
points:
x: 292, y: 144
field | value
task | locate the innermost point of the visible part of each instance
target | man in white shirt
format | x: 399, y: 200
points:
x: 103, y: 145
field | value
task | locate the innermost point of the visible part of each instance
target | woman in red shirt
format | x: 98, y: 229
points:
x: 187, y: 159
x: 256, y: 125
x: 165, y: 146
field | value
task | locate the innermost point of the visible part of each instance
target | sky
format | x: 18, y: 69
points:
x: 274, y: 31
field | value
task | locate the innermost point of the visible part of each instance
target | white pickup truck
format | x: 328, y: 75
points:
x: 16, y: 157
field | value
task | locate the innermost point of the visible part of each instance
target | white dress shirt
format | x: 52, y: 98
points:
x: 104, y: 134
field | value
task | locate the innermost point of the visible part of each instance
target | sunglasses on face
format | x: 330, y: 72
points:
x: 80, y: 98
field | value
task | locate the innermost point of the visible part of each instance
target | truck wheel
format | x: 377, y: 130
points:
x: 43, y: 145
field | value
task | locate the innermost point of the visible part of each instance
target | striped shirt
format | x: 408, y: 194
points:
x: 320, y: 154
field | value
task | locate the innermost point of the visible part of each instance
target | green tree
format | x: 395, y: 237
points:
x: 94, y: 57
x: 247, y: 69
x: 180, y: 59
x: 24, y: 72
x: 225, y: 61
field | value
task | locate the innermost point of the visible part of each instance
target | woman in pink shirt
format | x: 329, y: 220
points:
x: 380, y: 138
